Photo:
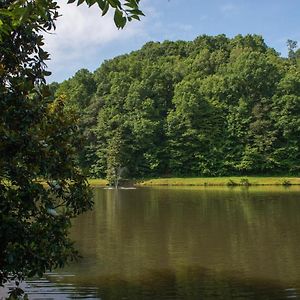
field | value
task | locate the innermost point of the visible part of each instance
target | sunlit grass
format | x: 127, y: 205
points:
x: 98, y: 182
x: 221, y: 181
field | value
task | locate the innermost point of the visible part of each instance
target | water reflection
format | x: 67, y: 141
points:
x: 190, y: 243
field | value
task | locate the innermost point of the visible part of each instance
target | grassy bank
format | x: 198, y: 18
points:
x: 210, y: 181
x: 221, y: 181
x: 98, y: 182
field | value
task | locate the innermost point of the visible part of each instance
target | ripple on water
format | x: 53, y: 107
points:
x: 45, y: 289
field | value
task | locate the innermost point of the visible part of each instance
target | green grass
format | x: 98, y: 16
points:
x: 98, y: 182
x: 221, y: 181
x: 210, y: 181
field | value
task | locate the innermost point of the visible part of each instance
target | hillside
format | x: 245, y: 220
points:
x: 210, y: 107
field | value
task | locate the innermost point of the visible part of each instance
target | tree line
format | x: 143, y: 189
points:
x: 209, y: 107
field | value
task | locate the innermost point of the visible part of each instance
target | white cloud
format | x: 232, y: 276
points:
x: 80, y: 31
x: 83, y: 38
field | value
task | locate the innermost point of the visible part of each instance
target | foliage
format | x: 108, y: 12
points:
x: 115, y: 158
x: 210, y: 107
x: 123, y: 11
x: 286, y: 182
x: 41, y: 184
x: 245, y: 182
x: 231, y: 183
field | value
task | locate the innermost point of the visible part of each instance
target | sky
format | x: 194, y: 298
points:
x: 84, y: 39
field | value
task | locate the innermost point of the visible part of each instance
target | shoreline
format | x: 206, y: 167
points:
x: 210, y: 181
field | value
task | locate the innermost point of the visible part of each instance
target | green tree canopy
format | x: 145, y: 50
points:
x: 212, y: 106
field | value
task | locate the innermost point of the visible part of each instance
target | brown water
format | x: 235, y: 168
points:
x: 184, y: 243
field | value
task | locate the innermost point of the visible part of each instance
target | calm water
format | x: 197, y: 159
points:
x: 184, y: 243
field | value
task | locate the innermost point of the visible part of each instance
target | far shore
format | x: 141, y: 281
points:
x: 209, y: 181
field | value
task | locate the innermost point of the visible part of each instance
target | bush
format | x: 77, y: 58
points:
x: 231, y: 183
x: 245, y: 182
x: 286, y: 182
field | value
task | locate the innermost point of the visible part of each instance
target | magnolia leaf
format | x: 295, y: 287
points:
x: 135, y: 17
x: 120, y: 21
x: 114, y: 3
x: 105, y: 10
x: 80, y: 2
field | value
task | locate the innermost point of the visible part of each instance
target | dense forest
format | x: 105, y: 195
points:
x: 210, y: 107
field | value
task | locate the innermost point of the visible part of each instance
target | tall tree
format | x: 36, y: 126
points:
x: 292, y: 46
x: 41, y: 184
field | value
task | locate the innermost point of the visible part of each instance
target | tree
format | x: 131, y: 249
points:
x: 194, y: 128
x: 286, y: 115
x: 212, y: 106
x: 41, y: 185
x: 292, y: 46
x: 78, y: 90
x: 116, y: 158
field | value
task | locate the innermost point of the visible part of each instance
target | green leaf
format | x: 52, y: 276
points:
x: 114, y: 3
x: 90, y: 2
x: 133, y: 6
x: 136, y: 12
x: 47, y: 73
x: 80, y: 2
x: 120, y: 21
x: 101, y: 4
x: 105, y: 9
x: 135, y: 17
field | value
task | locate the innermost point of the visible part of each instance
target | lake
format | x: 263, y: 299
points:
x: 184, y: 243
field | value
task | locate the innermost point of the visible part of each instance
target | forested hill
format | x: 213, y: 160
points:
x: 212, y: 106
